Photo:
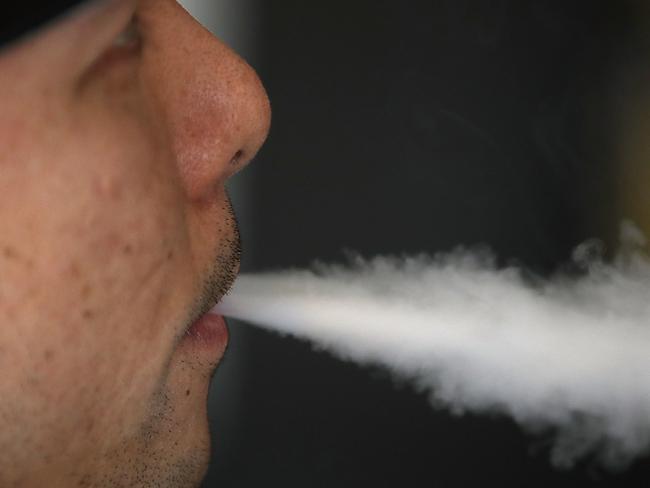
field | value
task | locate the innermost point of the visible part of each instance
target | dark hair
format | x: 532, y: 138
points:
x: 22, y: 16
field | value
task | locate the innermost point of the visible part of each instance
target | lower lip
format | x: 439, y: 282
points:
x: 209, y: 332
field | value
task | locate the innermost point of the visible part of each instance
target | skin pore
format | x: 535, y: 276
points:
x: 120, y: 124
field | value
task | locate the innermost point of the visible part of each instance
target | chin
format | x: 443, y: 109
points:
x: 167, y: 455
x: 171, y: 446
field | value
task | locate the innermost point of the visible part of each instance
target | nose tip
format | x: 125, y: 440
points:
x: 227, y: 119
x: 216, y: 109
x: 251, y: 118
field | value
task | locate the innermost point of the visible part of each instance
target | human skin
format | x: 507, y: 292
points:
x: 116, y: 233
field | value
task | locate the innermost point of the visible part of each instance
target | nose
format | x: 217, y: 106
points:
x: 214, y: 108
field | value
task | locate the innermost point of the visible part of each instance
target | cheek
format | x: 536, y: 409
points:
x: 116, y: 259
x: 96, y: 300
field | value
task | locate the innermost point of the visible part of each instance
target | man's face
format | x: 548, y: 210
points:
x: 115, y: 235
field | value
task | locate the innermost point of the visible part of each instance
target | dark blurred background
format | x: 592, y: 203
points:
x: 402, y: 127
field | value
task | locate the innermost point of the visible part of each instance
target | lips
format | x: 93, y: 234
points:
x: 208, y: 336
x: 209, y: 327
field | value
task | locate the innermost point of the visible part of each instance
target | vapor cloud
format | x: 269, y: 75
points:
x: 567, y: 355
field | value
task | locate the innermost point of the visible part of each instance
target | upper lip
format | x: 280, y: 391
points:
x: 209, y: 302
x: 205, y: 307
x: 210, y: 294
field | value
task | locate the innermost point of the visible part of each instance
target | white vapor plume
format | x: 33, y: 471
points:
x: 566, y: 355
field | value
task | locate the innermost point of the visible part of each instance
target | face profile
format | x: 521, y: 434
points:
x: 121, y: 122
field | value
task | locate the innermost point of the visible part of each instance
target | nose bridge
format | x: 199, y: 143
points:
x: 214, y: 106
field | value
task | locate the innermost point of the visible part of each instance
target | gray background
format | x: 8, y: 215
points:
x: 407, y: 127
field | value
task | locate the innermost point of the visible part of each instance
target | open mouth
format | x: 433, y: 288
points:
x: 207, y: 330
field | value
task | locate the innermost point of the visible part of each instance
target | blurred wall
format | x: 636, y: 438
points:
x: 632, y: 113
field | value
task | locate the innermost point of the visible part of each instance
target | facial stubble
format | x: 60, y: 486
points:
x: 160, y: 466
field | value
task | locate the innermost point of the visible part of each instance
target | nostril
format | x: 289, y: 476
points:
x: 236, y: 158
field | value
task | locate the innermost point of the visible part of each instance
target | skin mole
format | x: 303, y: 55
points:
x: 86, y: 291
x: 74, y: 270
x: 12, y: 254
x: 9, y: 252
